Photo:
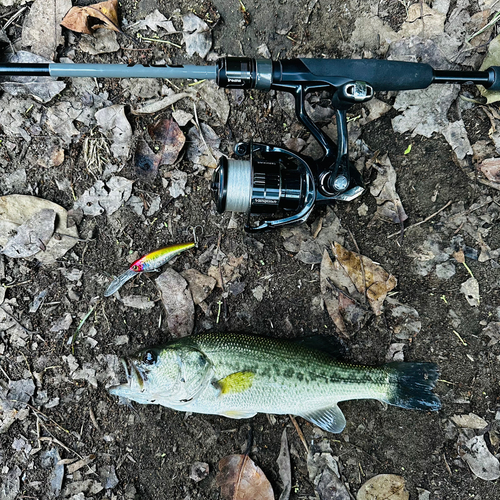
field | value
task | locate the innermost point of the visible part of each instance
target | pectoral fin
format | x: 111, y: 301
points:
x: 238, y: 414
x: 329, y: 419
x: 236, y: 382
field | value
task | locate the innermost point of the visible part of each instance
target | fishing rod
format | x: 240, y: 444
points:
x: 271, y: 179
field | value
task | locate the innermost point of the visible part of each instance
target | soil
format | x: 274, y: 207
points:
x: 152, y: 448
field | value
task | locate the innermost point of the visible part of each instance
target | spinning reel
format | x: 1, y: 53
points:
x: 277, y: 180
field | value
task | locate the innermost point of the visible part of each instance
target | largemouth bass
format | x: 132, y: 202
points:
x: 239, y: 375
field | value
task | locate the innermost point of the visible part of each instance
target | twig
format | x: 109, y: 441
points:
x: 422, y: 221
x: 460, y: 338
x: 159, y: 40
x: 13, y: 18
x: 490, y: 184
x: 75, y: 335
x: 446, y: 465
x: 38, y: 413
x: 299, y: 432
x: 55, y: 440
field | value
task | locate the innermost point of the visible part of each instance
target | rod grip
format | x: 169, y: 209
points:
x: 380, y: 74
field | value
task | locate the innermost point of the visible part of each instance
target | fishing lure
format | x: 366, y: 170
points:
x: 148, y: 262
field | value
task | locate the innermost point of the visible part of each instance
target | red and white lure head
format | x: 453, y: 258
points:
x: 148, y: 262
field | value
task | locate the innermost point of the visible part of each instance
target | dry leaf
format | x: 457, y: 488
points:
x: 470, y: 289
x: 114, y: 125
x: 101, y: 198
x: 32, y: 236
x: 403, y: 320
x: 146, y: 162
x: 342, y: 300
x: 92, y: 17
x: 200, y: 285
x: 324, y: 473
x: 171, y: 140
x: 492, y: 59
x: 491, y: 169
x: 41, y: 30
x: 240, y: 479
x: 16, y: 210
x: 177, y: 301
x: 285, y: 470
x: 470, y: 421
x: 478, y: 457
x: 368, y: 276
x: 383, y: 189
x: 383, y: 487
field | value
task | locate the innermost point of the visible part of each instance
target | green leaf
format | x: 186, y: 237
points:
x: 408, y: 149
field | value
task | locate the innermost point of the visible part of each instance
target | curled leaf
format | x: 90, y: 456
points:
x: 92, y: 17
x: 367, y: 276
x: 240, y: 479
x: 491, y: 169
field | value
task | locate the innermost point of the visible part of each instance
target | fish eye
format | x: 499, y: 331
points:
x: 149, y: 357
x: 135, y: 267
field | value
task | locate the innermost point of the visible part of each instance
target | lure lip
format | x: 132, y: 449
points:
x: 149, y: 262
x: 118, y: 282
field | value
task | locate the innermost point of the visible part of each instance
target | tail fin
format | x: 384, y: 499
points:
x: 412, y: 385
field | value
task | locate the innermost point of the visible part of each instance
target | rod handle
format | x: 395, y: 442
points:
x: 380, y: 74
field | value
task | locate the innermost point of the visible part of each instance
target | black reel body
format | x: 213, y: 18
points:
x: 271, y: 180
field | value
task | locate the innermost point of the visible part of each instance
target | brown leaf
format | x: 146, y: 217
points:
x: 368, y: 277
x: 491, y: 169
x: 240, y: 479
x: 200, y: 285
x: 342, y: 300
x: 92, y: 17
x: 383, y: 487
x: 171, y: 138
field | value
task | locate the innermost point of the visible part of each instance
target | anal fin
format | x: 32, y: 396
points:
x: 238, y: 414
x: 330, y: 419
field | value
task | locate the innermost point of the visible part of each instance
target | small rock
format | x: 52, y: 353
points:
x: 258, y: 293
x: 199, y: 471
x: 445, y: 270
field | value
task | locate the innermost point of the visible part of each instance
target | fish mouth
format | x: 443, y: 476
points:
x: 132, y: 372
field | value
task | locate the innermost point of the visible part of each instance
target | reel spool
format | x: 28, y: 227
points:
x: 272, y: 180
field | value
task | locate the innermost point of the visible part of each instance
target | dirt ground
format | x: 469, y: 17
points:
x: 147, y: 452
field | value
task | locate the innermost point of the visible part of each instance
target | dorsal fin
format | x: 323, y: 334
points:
x: 331, y: 345
x: 329, y: 419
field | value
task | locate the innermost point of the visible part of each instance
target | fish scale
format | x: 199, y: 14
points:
x: 239, y: 375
